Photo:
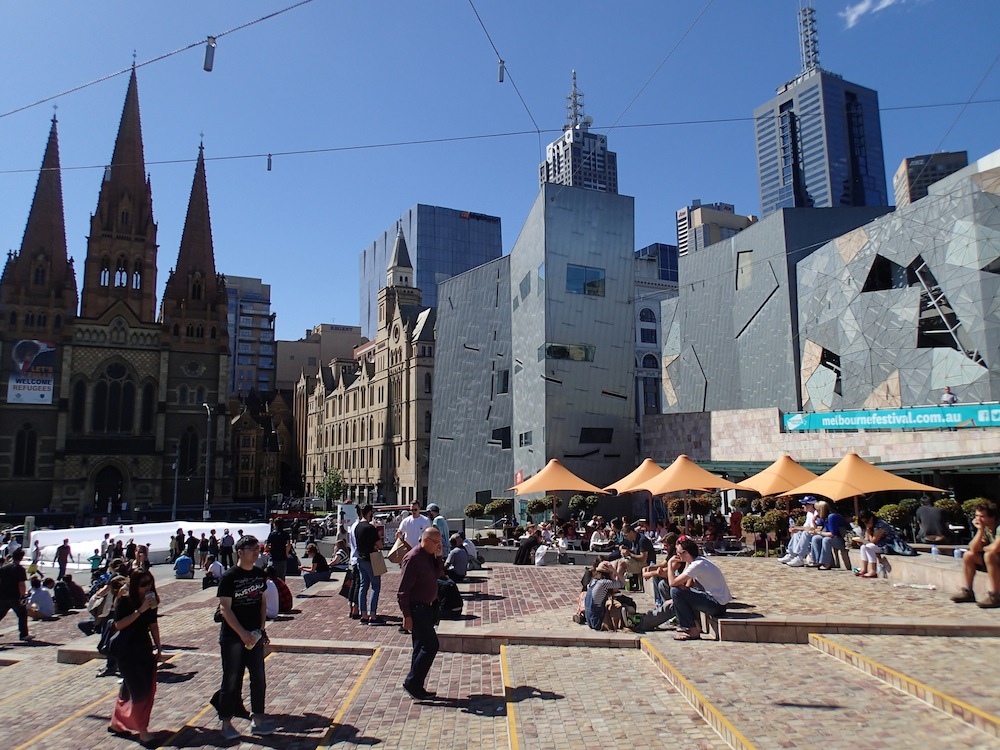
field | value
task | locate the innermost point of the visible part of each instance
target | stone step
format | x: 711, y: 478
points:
x: 788, y: 696
x: 955, y: 675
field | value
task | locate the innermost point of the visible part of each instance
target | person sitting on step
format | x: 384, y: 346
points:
x: 983, y: 557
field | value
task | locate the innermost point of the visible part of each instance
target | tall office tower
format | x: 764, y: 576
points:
x: 578, y: 157
x: 442, y: 242
x: 700, y: 225
x: 916, y: 173
x: 251, y: 336
x: 819, y: 141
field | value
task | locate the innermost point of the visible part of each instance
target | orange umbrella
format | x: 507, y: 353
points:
x: 554, y: 478
x: 853, y: 476
x: 642, y: 473
x: 781, y: 476
x: 684, y: 474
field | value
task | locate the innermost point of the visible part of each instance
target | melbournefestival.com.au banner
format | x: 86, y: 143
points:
x: 32, y: 372
x: 917, y: 418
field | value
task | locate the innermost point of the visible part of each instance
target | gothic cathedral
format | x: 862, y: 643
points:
x: 107, y: 409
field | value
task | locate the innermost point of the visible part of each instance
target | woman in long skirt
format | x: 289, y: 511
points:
x: 135, y: 621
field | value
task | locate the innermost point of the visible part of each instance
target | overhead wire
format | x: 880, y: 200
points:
x: 152, y: 60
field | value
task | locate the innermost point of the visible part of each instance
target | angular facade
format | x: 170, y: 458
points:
x: 442, y: 242
x: 730, y: 338
x: 893, y: 312
x: 98, y: 404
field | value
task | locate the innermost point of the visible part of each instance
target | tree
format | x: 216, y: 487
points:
x: 331, y: 487
x: 474, y: 511
x: 499, y: 506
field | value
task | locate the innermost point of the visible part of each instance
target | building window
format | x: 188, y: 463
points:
x: 190, y: 458
x: 105, y: 272
x: 524, y: 439
x: 121, y: 275
x: 744, y: 269
x: 585, y: 280
x: 148, y: 409
x: 501, y: 436
x: 25, y: 451
x: 503, y: 381
x: 182, y: 394
x: 651, y: 395
x: 573, y: 352
x: 649, y: 362
x: 427, y: 421
x: 596, y: 434
x: 647, y: 335
x: 137, y: 275
x: 114, y: 401
x: 40, y: 275
x: 647, y: 316
x: 427, y: 382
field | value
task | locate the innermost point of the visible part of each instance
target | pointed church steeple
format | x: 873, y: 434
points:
x: 400, y: 269
x: 194, y: 306
x: 38, y: 287
x: 121, y: 249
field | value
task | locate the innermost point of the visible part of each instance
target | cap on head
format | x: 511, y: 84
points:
x: 433, y: 508
x: 808, y: 500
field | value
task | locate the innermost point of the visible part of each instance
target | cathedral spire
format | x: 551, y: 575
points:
x: 197, y: 255
x: 41, y: 270
x: 400, y: 270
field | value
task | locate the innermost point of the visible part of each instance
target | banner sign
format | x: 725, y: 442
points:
x: 32, y: 373
x: 917, y: 418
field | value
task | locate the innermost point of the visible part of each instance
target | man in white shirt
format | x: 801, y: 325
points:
x: 700, y: 587
x: 474, y: 563
x: 411, y: 527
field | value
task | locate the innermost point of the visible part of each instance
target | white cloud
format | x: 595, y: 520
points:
x: 853, y: 13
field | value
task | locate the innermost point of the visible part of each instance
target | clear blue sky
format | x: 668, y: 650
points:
x: 337, y: 74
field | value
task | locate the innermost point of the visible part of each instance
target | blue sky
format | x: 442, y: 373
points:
x: 333, y: 74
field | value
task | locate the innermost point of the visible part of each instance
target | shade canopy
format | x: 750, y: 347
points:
x: 684, y: 474
x: 783, y: 475
x: 642, y: 473
x: 854, y: 476
x: 554, y: 478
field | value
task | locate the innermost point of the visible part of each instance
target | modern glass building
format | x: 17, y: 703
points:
x: 251, y: 335
x: 819, y: 145
x: 442, y: 242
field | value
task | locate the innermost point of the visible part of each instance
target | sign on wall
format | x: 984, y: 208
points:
x: 32, y: 372
x: 917, y: 418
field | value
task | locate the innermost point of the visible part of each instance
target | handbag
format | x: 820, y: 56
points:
x: 377, y: 563
x: 345, y: 587
x: 900, y: 547
x: 398, y: 551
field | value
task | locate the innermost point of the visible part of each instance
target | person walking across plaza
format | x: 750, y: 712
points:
x: 135, y: 621
x: 242, y: 638
x: 411, y: 527
x: 417, y: 596
x: 14, y: 592
x: 63, y: 555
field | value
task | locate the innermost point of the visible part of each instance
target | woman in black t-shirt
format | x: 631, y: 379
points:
x: 320, y: 570
x: 135, y: 621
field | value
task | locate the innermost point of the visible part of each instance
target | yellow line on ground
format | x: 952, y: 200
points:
x: 34, y: 688
x: 703, y: 704
x: 66, y: 721
x: 339, y: 717
x: 916, y: 683
x: 173, y: 738
x: 508, y: 694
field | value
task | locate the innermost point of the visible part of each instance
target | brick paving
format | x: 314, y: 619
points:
x: 569, y: 698
x: 779, y: 695
x: 964, y: 668
x: 790, y: 696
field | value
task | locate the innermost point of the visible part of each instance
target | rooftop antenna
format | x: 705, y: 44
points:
x: 808, y: 39
x: 574, y: 106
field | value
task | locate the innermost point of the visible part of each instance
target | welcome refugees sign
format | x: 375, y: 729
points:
x: 32, y: 372
x: 917, y: 418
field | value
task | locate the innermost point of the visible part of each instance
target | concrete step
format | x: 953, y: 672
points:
x: 955, y: 675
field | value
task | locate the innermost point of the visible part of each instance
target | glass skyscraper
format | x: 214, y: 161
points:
x: 819, y: 145
x: 443, y: 242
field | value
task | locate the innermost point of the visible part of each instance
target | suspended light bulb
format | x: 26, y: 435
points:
x: 209, y: 53
x: 268, y: 162
x: 500, y: 72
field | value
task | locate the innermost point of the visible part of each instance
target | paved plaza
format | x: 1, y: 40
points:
x: 518, y: 673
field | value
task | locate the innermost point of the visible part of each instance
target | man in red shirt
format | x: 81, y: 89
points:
x: 417, y: 596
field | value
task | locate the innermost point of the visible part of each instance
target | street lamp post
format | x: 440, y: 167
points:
x: 177, y: 464
x: 208, y: 462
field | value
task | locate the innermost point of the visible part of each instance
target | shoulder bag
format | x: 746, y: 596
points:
x: 377, y: 563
